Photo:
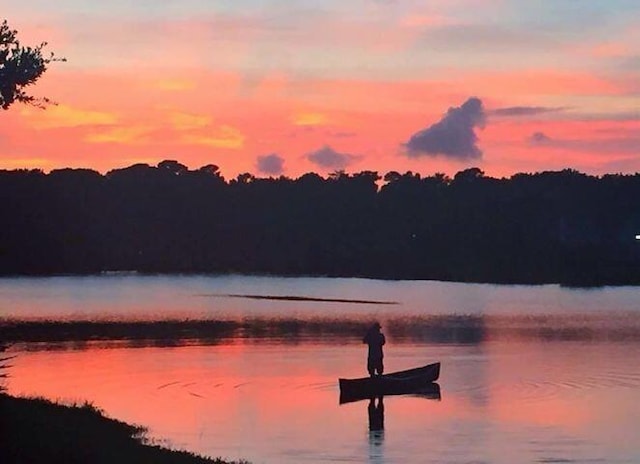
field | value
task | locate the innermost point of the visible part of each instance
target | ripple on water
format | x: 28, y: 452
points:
x: 564, y: 449
x: 557, y: 382
x: 560, y: 460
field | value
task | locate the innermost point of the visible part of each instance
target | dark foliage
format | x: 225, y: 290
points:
x: 562, y: 226
x: 37, y: 431
x: 20, y: 67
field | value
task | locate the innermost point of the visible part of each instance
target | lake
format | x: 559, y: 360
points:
x: 529, y: 373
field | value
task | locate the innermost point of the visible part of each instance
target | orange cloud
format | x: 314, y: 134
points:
x: 131, y: 135
x: 189, y: 121
x: 131, y: 108
x: 60, y: 116
x: 309, y: 119
x: 221, y: 137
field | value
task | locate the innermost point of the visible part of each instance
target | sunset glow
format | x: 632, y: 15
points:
x: 221, y: 396
x: 328, y: 86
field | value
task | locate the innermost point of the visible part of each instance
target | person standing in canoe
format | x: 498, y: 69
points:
x: 375, y: 339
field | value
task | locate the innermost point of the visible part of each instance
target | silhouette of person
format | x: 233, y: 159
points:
x: 376, y: 414
x: 375, y: 339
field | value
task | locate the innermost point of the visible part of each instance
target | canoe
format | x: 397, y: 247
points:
x: 395, y: 383
x: 430, y: 391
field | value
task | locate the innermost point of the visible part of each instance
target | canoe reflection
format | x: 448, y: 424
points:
x: 429, y: 391
x: 395, y: 383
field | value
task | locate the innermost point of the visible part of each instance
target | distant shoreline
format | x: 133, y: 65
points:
x: 586, y: 283
x: 561, y: 227
x: 444, y: 328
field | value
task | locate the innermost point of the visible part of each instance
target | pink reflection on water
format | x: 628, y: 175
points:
x: 501, y: 402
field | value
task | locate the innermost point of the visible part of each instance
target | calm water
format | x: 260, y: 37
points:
x: 553, y: 377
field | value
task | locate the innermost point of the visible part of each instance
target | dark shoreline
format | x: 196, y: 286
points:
x: 584, y: 283
x: 35, y: 430
x: 561, y: 227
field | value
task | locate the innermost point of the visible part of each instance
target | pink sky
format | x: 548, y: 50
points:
x: 332, y: 87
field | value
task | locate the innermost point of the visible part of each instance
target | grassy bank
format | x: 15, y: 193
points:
x: 38, y: 431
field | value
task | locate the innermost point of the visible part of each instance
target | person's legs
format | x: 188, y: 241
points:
x: 375, y: 367
x: 371, y: 367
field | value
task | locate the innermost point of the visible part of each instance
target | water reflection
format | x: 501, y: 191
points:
x: 376, y: 429
x: 376, y: 414
x: 431, y: 329
x: 532, y: 374
x: 429, y: 391
x: 504, y: 403
x: 4, y: 365
x: 169, y: 296
x: 376, y: 411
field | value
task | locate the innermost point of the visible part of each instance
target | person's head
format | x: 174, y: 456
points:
x: 376, y: 326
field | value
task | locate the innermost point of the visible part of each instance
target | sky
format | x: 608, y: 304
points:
x: 285, y: 87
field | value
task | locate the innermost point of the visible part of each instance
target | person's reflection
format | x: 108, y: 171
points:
x: 376, y: 429
x: 376, y: 414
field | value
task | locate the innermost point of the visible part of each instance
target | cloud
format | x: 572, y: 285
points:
x: 188, y: 121
x: 309, y: 119
x: 625, y: 144
x: 220, y: 137
x: 524, y: 110
x: 59, y: 116
x: 130, y: 135
x: 488, y: 37
x: 631, y: 63
x: 341, y: 134
x: 326, y: 157
x: 539, y: 138
x: 620, y: 116
x: 272, y: 164
x: 453, y: 136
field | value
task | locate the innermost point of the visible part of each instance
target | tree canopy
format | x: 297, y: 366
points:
x: 20, y: 67
x: 563, y: 226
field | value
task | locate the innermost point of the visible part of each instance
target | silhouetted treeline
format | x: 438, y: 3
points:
x: 562, y: 226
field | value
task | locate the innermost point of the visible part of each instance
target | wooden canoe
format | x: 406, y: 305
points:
x: 395, y: 383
